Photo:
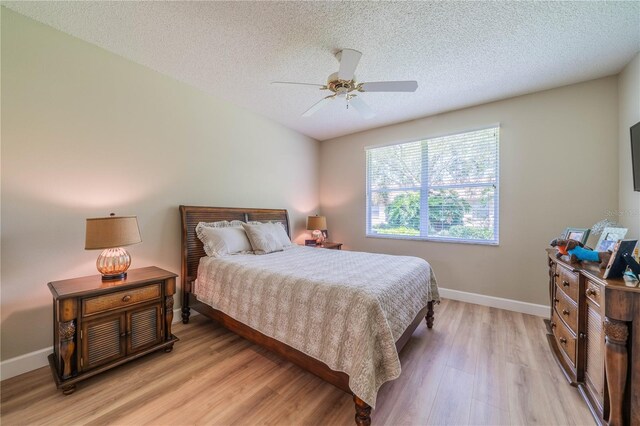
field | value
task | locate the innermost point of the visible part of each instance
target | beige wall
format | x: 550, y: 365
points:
x: 558, y: 168
x: 628, y: 212
x: 86, y: 132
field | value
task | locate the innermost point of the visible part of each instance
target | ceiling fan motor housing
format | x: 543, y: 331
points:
x: 341, y: 86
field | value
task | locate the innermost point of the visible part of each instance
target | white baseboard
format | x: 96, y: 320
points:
x: 496, y: 302
x: 33, y: 360
x: 24, y: 363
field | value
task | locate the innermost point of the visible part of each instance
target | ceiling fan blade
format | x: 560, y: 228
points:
x: 389, y: 86
x: 349, y: 59
x: 302, y: 84
x: 362, y: 107
x: 318, y: 105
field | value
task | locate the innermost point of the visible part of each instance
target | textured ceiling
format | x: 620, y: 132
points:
x: 461, y: 53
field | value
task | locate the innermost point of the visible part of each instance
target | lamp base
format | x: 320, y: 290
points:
x: 114, y: 277
x: 317, y: 234
x: 113, y: 263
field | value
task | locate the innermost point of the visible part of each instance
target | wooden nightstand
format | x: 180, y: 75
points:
x: 98, y: 325
x: 330, y: 245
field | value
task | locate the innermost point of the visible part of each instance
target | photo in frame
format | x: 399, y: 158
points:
x: 577, y: 234
x: 609, y: 237
x: 325, y: 235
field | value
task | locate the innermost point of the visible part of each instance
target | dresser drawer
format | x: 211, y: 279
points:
x: 568, y: 282
x: 593, y: 292
x: 566, y: 309
x: 120, y: 299
x: 564, y: 338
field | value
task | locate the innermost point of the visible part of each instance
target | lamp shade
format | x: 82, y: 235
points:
x: 316, y: 222
x: 111, y: 232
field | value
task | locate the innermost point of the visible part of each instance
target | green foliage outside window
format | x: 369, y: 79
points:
x: 446, y: 209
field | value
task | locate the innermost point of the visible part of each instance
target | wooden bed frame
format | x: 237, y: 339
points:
x: 192, y: 251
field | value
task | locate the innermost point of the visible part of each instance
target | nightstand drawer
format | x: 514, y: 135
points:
x: 119, y: 299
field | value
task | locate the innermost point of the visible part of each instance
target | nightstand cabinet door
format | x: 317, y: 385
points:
x: 102, y: 340
x: 145, y: 328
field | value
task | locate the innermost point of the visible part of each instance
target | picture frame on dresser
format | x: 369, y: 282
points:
x: 617, y: 264
x: 577, y: 234
x: 609, y: 237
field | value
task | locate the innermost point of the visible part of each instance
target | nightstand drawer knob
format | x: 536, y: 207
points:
x: 565, y: 312
x: 565, y: 283
x: 126, y: 298
x: 563, y: 340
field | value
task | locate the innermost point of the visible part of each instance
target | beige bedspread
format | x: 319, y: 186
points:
x: 344, y: 308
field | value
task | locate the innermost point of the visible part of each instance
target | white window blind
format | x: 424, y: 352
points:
x: 443, y: 188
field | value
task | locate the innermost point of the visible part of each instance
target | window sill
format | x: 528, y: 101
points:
x: 434, y: 239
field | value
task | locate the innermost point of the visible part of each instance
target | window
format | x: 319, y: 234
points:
x: 441, y: 189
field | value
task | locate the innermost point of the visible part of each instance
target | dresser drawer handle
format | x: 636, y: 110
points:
x: 556, y: 275
x: 553, y: 324
x: 556, y: 301
x: 565, y: 312
x: 126, y: 298
x: 563, y: 340
x: 565, y: 283
x: 591, y: 292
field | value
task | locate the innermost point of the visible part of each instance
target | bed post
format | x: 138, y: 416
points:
x: 429, y: 316
x: 363, y: 412
x: 186, y: 310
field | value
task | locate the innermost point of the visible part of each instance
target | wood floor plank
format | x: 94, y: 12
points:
x: 452, y: 405
x: 478, y: 365
x: 483, y: 414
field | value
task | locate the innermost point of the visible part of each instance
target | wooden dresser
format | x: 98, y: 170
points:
x: 594, y: 333
x: 98, y: 324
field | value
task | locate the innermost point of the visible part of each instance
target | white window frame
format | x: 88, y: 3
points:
x: 424, y: 189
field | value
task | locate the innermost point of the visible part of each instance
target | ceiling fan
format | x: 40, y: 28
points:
x: 343, y: 84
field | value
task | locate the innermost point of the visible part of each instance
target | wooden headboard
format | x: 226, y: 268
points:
x: 192, y: 249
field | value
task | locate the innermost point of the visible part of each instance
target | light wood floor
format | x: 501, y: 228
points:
x: 478, y: 365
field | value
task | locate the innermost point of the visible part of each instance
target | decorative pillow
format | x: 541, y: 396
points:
x: 280, y: 232
x: 221, y: 240
x: 263, y: 237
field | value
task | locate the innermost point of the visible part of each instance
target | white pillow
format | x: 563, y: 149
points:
x: 278, y: 230
x: 263, y: 237
x: 223, y: 240
x: 281, y: 234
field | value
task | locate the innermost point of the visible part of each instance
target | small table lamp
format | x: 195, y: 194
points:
x: 111, y: 234
x: 317, y: 224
